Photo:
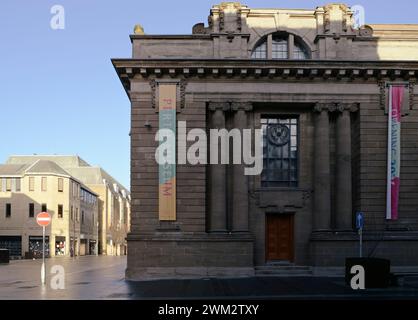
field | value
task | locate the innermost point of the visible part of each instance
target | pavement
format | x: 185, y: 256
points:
x: 102, y: 277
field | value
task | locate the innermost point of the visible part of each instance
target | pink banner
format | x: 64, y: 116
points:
x: 394, y: 150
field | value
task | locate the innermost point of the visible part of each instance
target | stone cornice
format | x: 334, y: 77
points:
x: 245, y: 67
x: 280, y: 69
x: 170, y: 37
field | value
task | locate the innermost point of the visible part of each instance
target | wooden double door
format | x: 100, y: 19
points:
x: 279, y: 237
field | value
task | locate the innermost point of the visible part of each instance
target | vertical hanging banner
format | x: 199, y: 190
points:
x: 167, y: 138
x: 396, y: 93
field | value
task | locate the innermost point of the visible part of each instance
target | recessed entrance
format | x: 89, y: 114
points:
x: 279, y: 238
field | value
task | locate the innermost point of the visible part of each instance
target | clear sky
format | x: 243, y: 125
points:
x: 59, y: 93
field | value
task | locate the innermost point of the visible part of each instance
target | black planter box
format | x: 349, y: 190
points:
x: 4, y: 256
x: 377, y: 271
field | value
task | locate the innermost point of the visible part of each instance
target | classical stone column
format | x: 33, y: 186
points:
x: 239, y: 179
x: 322, y: 174
x: 217, y: 185
x: 343, y: 200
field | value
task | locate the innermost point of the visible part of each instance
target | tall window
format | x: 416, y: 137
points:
x: 280, y: 152
x: 71, y: 213
x: 31, y: 183
x: 17, y: 184
x: 281, y: 46
x: 8, y: 184
x: 44, y: 207
x: 60, y: 184
x: 43, y: 184
x: 60, y: 211
x: 75, y: 190
x: 31, y: 210
x: 82, y: 216
x: 8, y: 210
x: 76, y: 215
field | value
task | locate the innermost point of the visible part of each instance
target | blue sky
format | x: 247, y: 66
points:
x: 59, y: 93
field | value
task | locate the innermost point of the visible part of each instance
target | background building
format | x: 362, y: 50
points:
x: 114, y: 208
x: 113, y: 200
x: 308, y: 74
x: 43, y: 186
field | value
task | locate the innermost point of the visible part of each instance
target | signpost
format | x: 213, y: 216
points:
x: 359, y: 226
x: 43, y: 219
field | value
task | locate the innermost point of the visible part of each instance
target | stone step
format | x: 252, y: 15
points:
x: 283, y: 271
x: 302, y: 268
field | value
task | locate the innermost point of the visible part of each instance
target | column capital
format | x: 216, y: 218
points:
x: 224, y: 106
x: 246, y: 106
x: 324, y: 106
x: 336, y: 106
x: 350, y: 106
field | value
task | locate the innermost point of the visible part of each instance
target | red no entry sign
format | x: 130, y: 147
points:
x: 43, y: 219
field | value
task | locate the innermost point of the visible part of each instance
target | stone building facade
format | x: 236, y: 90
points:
x: 113, y: 203
x: 307, y: 74
x: 35, y: 186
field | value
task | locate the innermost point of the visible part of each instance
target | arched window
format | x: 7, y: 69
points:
x: 281, y: 46
x: 300, y: 51
x: 260, y: 52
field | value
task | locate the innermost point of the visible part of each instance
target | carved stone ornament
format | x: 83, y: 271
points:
x: 199, y: 28
x: 246, y: 106
x: 409, y: 94
x: 278, y: 134
x: 239, y: 20
x: 327, y: 18
x: 210, y: 22
x: 221, y: 20
x: 382, y: 91
x: 181, y: 93
x: 153, y: 85
x: 336, y: 106
x: 344, y: 9
x: 365, y: 31
x: 224, y: 106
